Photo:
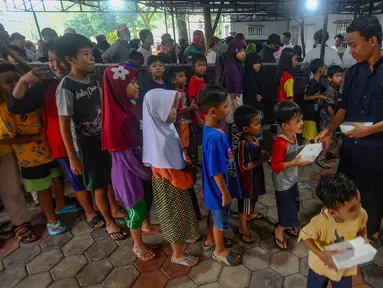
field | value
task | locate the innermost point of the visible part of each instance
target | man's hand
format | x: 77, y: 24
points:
x: 34, y: 75
x: 324, y: 135
x: 359, y: 131
x: 76, y: 166
x: 226, y: 199
x: 323, y: 97
x: 326, y: 257
x: 298, y: 161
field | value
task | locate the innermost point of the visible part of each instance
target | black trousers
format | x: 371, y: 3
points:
x: 369, y: 183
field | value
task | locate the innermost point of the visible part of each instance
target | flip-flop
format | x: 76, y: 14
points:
x: 228, y: 244
x: 242, y: 235
x: 24, y: 234
x: 183, y: 261
x: 59, y: 227
x: 151, y: 231
x: 69, y: 209
x: 321, y: 163
x: 141, y: 256
x: 229, y: 259
x: 94, y: 221
x: 279, y: 242
x: 122, y: 233
x: 291, y: 232
x: 259, y: 216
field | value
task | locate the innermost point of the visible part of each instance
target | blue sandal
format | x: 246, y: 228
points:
x: 56, y: 228
x: 68, y: 209
x: 183, y: 261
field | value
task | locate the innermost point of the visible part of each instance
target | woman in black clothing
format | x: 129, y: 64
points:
x: 254, y: 82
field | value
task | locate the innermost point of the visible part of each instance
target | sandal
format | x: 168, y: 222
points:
x: 228, y: 244
x: 120, y: 235
x: 280, y: 243
x: 257, y: 217
x: 56, y: 228
x: 248, y: 236
x: 24, y: 234
x: 95, y: 222
x: 151, y: 231
x: 292, y: 232
x: 142, y: 256
x: 183, y: 262
x: 68, y: 209
x: 231, y: 259
x: 322, y: 163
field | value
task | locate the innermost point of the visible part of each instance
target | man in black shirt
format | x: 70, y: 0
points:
x: 362, y: 150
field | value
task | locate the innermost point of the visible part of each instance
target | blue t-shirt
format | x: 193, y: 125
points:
x: 217, y: 158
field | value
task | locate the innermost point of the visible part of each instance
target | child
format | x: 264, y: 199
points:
x: 135, y: 60
x: 314, y: 92
x: 341, y: 219
x: 219, y: 175
x: 285, y: 78
x: 328, y: 108
x: 196, y: 83
x: 79, y: 106
x: 25, y: 133
x: 42, y: 95
x: 249, y: 159
x: 157, y: 69
x: 121, y: 136
x: 147, y: 40
x: 284, y: 164
x: 163, y: 152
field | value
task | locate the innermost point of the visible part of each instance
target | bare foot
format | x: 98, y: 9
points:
x: 114, y: 231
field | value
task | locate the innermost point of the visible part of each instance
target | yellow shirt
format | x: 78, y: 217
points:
x: 12, y: 125
x: 325, y: 231
x: 4, y: 149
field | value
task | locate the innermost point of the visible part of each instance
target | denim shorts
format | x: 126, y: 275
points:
x: 288, y: 207
x: 221, y: 219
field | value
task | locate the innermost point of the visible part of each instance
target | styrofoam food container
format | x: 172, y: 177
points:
x: 310, y: 152
x: 347, y: 126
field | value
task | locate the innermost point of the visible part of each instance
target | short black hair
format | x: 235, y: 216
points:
x: 318, y: 36
x: 197, y: 32
x: 137, y: 57
x: 315, y: 65
x: 239, y: 36
x: 340, y: 36
x: 211, y: 96
x: 335, y: 189
x: 155, y: 58
x: 49, y: 32
x: 69, y: 45
x: 285, y: 111
x: 332, y: 70
x: 7, y: 67
x: 298, y: 49
x: 198, y: 57
x: 51, y: 45
x: 213, y: 40
x: 287, y: 34
x: 175, y: 70
x: 145, y: 33
x: 244, y: 115
x: 368, y: 26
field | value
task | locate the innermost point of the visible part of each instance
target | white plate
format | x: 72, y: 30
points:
x: 347, y: 126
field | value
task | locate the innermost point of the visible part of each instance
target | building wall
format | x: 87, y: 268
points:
x: 268, y: 27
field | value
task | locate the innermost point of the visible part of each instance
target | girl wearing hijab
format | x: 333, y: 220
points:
x: 122, y: 137
x: 233, y: 82
x: 162, y: 150
x: 253, y: 82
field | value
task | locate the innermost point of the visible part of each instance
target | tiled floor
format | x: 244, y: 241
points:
x: 86, y: 257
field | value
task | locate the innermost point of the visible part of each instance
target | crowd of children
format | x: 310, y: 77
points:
x: 109, y: 144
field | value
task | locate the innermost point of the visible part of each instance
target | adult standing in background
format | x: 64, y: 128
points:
x: 49, y: 34
x: 286, y: 38
x: 183, y: 45
x: 196, y: 46
x: 347, y: 58
x: 213, y: 45
x: 147, y: 41
x: 338, y: 40
x: 272, y: 46
x: 69, y: 31
x: 19, y: 41
x: 120, y: 50
x: 331, y: 57
x: 101, y: 47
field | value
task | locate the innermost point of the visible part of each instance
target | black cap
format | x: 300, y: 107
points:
x: 17, y: 36
x: 274, y: 39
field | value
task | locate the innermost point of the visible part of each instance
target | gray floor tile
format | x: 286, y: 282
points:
x: 295, y: 281
x: 100, y: 250
x: 69, y: 267
x: 121, y: 277
x: 235, y: 277
x: 256, y: 258
x: 94, y: 272
x: 10, y: 277
x: 55, y: 242
x: 77, y: 245
x: 122, y: 256
x: 206, y: 271
x: 22, y: 256
x: 65, y: 283
x: 182, y: 282
x: 373, y: 275
x: 45, y: 261
x: 41, y: 280
x: 285, y: 263
x: 266, y: 278
x: 297, y: 248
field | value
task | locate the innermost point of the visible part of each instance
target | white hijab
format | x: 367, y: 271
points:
x: 161, y: 143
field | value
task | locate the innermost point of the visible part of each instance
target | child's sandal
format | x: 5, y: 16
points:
x: 56, y: 228
x: 232, y: 259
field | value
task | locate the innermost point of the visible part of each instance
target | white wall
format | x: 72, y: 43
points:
x: 269, y: 27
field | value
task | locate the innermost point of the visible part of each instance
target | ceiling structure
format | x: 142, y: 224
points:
x: 238, y: 11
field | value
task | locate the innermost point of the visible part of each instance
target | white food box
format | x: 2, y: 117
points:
x: 347, y: 126
x: 354, y: 252
x: 310, y: 152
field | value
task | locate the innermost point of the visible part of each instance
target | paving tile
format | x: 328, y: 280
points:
x: 65, y: 283
x: 99, y: 234
x: 285, y: 263
x: 379, y: 257
x: 272, y: 214
x: 305, y: 193
x: 81, y: 229
x: 151, y: 279
x: 77, y: 245
x: 94, y: 272
x: 153, y: 264
x: 235, y: 277
x: 183, y: 282
x: 305, y: 216
x: 212, y: 285
x: 1, y: 265
x: 266, y: 278
x: 267, y: 200
x: 55, y: 242
x: 167, y: 248
x: 295, y: 281
x: 121, y: 277
x: 154, y: 240
x: 174, y: 270
x: 126, y: 242
x: 256, y: 258
x: 8, y: 246
x: 41, y: 280
x: 304, y: 266
x: 122, y: 256
x: 100, y: 250
x: 262, y: 226
x: 358, y: 278
x: 267, y: 242
x: 69, y: 267
x: 206, y: 271
x: 312, y: 205
x: 256, y: 237
x: 373, y: 275
x: 21, y: 256
x: 259, y: 208
x: 10, y: 278
x: 45, y: 261
x: 297, y: 248
x: 72, y: 220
